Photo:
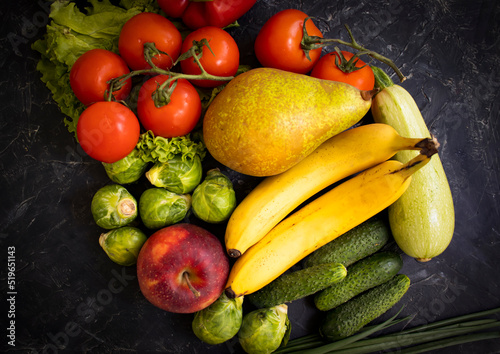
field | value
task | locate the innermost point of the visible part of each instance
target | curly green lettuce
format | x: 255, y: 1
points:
x: 159, y: 149
x: 70, y: 33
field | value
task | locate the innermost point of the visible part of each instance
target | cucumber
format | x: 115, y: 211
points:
x: 298, y: 284
x: 361, y: 276
x: 358, y: 243
x: 350, y: 317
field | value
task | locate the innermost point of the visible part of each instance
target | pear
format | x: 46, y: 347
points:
x: 267, y: 120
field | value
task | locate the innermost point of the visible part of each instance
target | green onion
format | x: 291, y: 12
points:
x: 436, y: 335
x: 450, y: 342
x: 297, y: 344
x: 404, y: 340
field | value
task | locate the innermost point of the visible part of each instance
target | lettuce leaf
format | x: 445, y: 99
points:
x: 159, y: 149
x: 70, y: 33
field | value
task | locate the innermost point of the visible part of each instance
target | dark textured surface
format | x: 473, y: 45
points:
x: 72, y: 298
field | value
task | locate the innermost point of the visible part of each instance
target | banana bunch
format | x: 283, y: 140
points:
x: 268, y: 240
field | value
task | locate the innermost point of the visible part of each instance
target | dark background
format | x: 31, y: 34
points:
x: 72, y: 298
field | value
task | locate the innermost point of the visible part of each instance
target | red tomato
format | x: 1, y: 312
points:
x: 176, y: 118
x: 223, y: 62
x: 174, y: 8
x: 326, y: 69
x: 278, y: 43
x: 108, y: 131
x: 91, y: 72
x: 148, y: 27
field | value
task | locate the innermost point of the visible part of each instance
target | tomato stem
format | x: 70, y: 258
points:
x: 162, y: 94
x: 150, y: 51
x: 347, y: 66
x: 309, y: 43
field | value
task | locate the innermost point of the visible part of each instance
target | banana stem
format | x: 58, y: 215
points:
x: 429, y: 148
x: 404, y: 143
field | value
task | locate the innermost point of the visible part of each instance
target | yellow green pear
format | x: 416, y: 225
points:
x: 267, y: 120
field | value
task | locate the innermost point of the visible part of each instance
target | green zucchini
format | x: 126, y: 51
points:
x: 422, y: 221
x: 298, y: 284
x: 358, y: 243
x: 361, y: 276
x: 350, y: 317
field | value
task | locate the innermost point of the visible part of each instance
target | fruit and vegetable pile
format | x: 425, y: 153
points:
x: 150, y: 89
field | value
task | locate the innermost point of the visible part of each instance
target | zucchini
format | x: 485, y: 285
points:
x: 422, y: 221
x: 358, y: 243
x: 361, y: 276
x: 298, y: 284
x: 350, y: 317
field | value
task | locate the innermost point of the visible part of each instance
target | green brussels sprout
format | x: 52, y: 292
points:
x: 220, y: 321
x: 122, y: 245
x: 178, y: 175
x: 214, y: 199
x: 113, y: 206
x: 159, y: 207
x: 262, y: 331
x: 127, y: 170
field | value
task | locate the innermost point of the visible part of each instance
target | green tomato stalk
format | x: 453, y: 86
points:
x: 164, y: 91
x: 309, y: 43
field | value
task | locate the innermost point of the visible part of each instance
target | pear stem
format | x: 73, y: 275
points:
x: 368, y: 95
x: 185, y: 275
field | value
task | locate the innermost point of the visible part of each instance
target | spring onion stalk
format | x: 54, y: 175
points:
x: 439, y: 334
x: 404, y: 340
x: 444, y: 343
x: 453, y: 320
x: 344, y: 342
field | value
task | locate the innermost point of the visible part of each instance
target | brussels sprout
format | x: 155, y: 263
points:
x: 127, y: 170
x: 262, y: 331
x: 214, y: 199
x: 122, y: 245
x: 159, y: 207
x: 178, y: 175
x: 220, y: 321
x: 113, y: 206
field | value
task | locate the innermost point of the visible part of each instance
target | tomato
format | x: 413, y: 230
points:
x: 108, y: 131
x: 91, y: 72
x: 327, y: 69
x: 176, y: 118
x: 148, y: 27
x: 173, y: 8
x: 278, y: 43
x: 223, y: 62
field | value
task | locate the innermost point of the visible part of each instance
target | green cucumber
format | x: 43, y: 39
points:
x: 361, y: 276
x: 350, y: 317
x: 358, y: 243
x: 298, y: 284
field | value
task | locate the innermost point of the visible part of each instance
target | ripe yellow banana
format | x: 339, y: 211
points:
x: 341, y: 156
x: 321, y: 221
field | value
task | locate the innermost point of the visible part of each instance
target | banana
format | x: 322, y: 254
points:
x: 322, y: 220
x: 341, y: 156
